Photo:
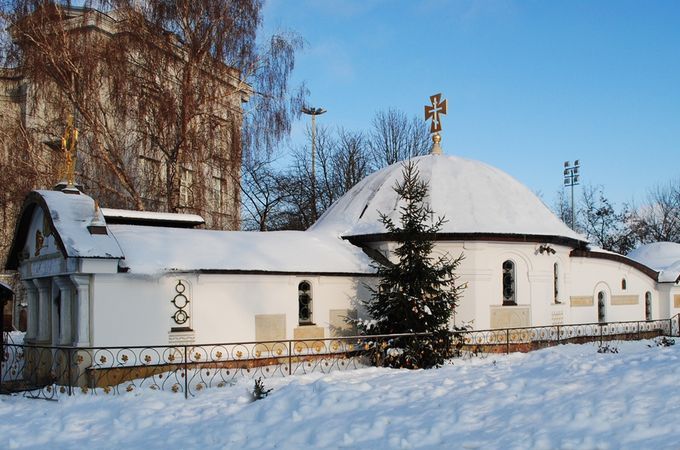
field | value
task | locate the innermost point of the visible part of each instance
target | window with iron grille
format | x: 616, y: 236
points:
x: 305, y: 303
x: 509, y: 297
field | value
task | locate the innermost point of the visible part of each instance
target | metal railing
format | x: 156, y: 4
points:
x: 49, y: 372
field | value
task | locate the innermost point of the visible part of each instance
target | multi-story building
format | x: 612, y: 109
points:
x: 149, y: 140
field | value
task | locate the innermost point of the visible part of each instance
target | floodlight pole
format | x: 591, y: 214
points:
x: 571, y: 179
x: 313, y: 112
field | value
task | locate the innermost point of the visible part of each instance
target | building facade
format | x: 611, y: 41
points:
x: 122, y: 157
x: 127, y: 155
x: 101, y: 278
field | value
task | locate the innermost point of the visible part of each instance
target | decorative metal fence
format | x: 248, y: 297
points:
x: 49, y: 372
x: 507, y: 340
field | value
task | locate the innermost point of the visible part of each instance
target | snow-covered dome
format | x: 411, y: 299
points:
x: 663, y: 257
x: 473, y: 197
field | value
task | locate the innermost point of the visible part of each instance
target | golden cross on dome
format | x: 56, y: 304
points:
x: 69, y: 140
x: 433, y: 112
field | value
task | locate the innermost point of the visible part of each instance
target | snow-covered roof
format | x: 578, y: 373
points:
x: 150, y: 217
x: 473, y: 197
x: 69, y: 215
x: 156, y: 249
x: 663, y: 257
x: 150, y: 250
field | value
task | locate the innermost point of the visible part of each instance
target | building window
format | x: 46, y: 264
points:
x: 509, y: 283
x: 186, y: 183
x: 648, y: 306
x: 556, y: 288
x: 217, y: 186
x: 623, y: 284
x: 305, y: 303
x: 152, y: 176
x: 601, y: 317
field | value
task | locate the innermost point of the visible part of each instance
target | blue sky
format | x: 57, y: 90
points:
x: 530, y: 84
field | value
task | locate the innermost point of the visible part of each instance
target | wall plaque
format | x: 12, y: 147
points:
x: 581, y: 301
x: 625, y: 300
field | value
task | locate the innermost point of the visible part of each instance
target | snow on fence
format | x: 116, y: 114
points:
x: 48, y: 372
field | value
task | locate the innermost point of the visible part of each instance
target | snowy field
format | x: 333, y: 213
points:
x: 567, y: 397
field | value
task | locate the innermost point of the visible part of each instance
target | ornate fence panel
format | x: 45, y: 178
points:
x: 48, y: 372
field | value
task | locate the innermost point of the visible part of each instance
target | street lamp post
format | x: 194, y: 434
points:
x: 313, y: 112
x: 571, y: 179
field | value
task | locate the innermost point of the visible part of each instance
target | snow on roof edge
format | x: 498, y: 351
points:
x: 151, y: 215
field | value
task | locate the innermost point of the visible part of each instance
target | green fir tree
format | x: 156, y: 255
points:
x: 418, y: 293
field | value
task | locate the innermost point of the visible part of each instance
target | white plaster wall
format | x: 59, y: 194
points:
x: 131, y: 310
x: 128, y: 310
x: 481, y: 272
x: 233, y: 301
x: 590, y: 275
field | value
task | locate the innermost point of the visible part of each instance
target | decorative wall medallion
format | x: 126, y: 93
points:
x: 181, y: 302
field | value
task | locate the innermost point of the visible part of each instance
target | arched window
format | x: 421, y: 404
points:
x: 623, y: 284
x: 305, y: 303
x: 648, y: 306
x: 556, y: 288
x: 509, y: 297
x: 601, y: 316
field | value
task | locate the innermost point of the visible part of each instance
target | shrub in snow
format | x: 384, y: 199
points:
x: 606, y: 348
x: 663, y: 341
x: 418, y: 293
x: 259, y: 391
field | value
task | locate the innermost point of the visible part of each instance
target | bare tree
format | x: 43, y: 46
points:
x: 562, y: 209
x: 342, y: 161
x: 394, y: 137
x: 604, y: 226
x: 343, y: 158
x: 303, y: 205
x: 263, y: 194
x: 164, y: 80
x: 352, y: 161
x: 22, y: 171
x: 659, y: 218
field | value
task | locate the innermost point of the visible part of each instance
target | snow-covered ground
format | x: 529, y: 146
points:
x: 568, y: 397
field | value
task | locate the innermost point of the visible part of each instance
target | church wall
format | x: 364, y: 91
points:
x: 578, y: 282
x: 226, y: 305
x: 134, y: 310
x: 128, y: 310
x: 236, y: 300
x: 667, y: 292
x: 482, y: 299
x: 590, y: 276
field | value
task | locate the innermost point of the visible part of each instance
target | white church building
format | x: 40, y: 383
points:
x: 98, y: 277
